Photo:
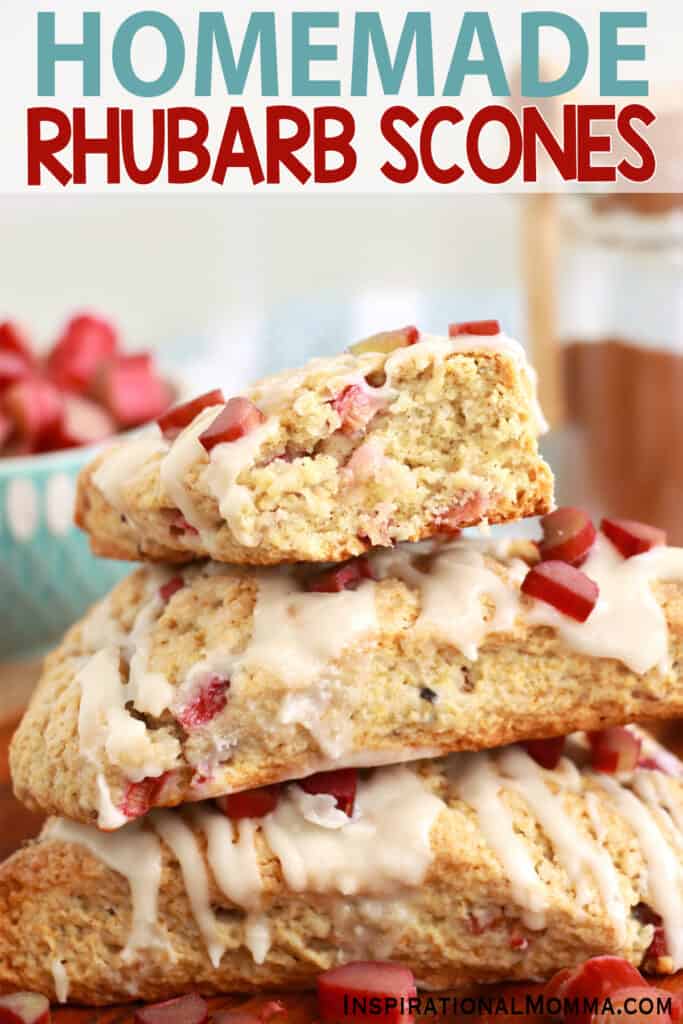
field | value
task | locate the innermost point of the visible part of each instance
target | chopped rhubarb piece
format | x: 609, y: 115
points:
x: 140, y: 797
x: 238, y: 419
x: 564, y: 587
x: 175, y: 420
x: 614, y: 750
x: 657, y: 949
x: 547, y: 753
x: 132, y: 390
x: 568, y: 535
x: 465, y: 513
x: 24, y: 1008
x: 13, y: 367
x: 632, y: 538
x: 642, y: 1004
x: 13, y: 339
x: 252, y: 803
x: 343, y: 577
x: 356, y: 405
x: 179, y: 524
x: 167, y: 590
x: 596, y: 978
x: 208, y: 701
x: 387, y: 341
x: 36, y: 409
x: 519, y: 942
x: 340, y: 784
x: 86, y: 343
x: 83, y: 423
x: 190, y: 1009
x: 477, y: 328
x: 345, y: 993
x: 251, y: 1013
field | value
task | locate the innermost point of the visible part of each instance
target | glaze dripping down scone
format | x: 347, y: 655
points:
x: 188, y: 685
x: 477, y: 867
x: 354, y: 451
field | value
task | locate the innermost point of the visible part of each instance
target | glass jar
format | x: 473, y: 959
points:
x: 621, y: 333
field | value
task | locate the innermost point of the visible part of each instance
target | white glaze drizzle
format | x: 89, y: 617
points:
x: 452, y: 593
x: 578, y: 853
x: 478, y: 783
x: 183, y: 843
x: 296, y: 635
x: 150, y: 692
x: 135, y: 853
x: 226, y: 463
x: 384, y: 846
x: 122, y: 464
x: 665, y: 879
x: 184, y: 452
x: 61, y: 980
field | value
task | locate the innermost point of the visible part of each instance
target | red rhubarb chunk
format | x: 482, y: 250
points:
x: 6, y: 429
x: 86, y: 343
x: 632, y: 538
x: 564, y: 587
x: 547, y: 753
x: 342, y: 577
x: 478, y: 328
x: 132, y: 390
x: 13, y: 339
x: 614, y: 750
x: 387, y: 341
x: 167, y: 590
x: 340, y: 784
x: 209, y: 701
x: 190, y: 1009
x: 180, y: 525
x: 596, y: 978
x: 24, y: 1008
x: 355, y: 406
x: 346, y: 993
x: 83, y: 423
x: 36, y: 409
x: 175, y: 420
x: 238, y: 419
x: 13, y: 368
x: 140, y: 797
x: 252, y: 803
x: 568, y: 535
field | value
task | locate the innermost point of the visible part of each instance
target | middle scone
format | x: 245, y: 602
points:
x: 184, y: 685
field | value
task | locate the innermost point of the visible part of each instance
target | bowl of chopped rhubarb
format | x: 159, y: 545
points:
x: 55, y: 411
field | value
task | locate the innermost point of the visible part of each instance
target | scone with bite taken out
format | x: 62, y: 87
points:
x: 399, y: 439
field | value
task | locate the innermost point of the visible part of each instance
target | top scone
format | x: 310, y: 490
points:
x: 400, y: 439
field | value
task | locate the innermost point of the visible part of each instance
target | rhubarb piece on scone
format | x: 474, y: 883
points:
x: 208, y: 680
x: 399, y: 439
x: 474, y: 868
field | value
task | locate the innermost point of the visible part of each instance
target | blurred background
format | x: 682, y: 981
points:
x: 223, y: 290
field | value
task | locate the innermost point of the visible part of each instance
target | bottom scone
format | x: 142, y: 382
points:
x: 473, y: 868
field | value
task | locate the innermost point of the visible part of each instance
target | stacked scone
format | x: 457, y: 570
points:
x: 325, y: 728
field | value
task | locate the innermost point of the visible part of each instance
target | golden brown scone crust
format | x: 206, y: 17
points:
x: 57, y: 901
x: 461, y: 434
x: 524, y: 684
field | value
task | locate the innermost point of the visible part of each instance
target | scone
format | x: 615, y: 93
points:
x: 474, y: 868
x: 366, y: 448
x: 183, y: 686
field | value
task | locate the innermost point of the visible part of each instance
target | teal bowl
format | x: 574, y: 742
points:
x: 48, y: 577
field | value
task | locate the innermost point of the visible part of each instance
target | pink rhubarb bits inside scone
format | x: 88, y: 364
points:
x: 140, y: 797
x: 466, y: 511
x: 208, y: 701
x: 356, y: 405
